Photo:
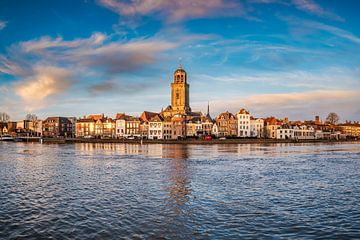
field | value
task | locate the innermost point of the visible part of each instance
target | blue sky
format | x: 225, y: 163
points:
x: 296, y: 58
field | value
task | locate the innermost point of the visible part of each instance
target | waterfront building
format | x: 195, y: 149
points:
x: 56, y: 127
x: 120, y: 125
x: 132, y: 127
x: 271, y: 125
x: 256, y: 127
x: 98, y: 126
x: 144, y: 125
x: 227, y: 125
x: 349, y: 129
x: 243, y: 123
x: 85, y: 127
x: 194, y: 127
x: 109, y: 126
x: 73, y: 124
x: 178, y: 126
x: 127, y: 126
x: 297, y: 132
x: 206, y: 125
x: 156, y: 127
x: 215, y: 130
x: 167, y: 128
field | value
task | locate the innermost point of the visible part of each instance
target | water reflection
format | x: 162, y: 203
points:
x: 104, y: 191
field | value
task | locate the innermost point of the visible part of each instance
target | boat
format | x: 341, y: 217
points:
x: 6, y: 138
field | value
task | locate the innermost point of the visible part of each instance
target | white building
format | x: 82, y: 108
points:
x: 243, y: 122
x: 120, y: 127
x: 295, y: 132
x: 256, y: 127
x: 215, y: 130
x: 156, y: 127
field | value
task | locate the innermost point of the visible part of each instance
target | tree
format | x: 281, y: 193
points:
x: 332, y: 118
x: 34, y: 121
x: 4, y: 117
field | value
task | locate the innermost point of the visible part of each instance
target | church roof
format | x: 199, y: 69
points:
x: 146, y: 116
x: 180, y: 69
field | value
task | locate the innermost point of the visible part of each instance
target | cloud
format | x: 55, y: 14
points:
x: 126, y: 57
x: 333, y: 30
x: 311, y: 7
x: 307, y: 27
x: 46, y: 42
x: 12, y: 67
x: 98, y: 51
x: 118, y: 87
x: 103, y: 87
x: 325, y: 78
x: 174, y: 10
x: 308, y: 6
x: 296, y: 105
x: 2, y: 24
x: 46, y: 82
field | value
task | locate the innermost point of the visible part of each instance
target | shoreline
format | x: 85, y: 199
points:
x: 187, y: 141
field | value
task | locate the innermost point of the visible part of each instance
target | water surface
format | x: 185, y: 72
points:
x: 107, y: 191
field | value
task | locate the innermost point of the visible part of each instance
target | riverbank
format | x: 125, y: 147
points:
x: 189, y: 141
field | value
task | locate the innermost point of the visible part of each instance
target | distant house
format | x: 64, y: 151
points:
x: 271, y: 124
x: 256, y: 127
x: 243, y: 123
x: 57, y: 127
x: 297, y: 132
x: 156, y: 127
x: 85, y: 127
x: 226, y: 124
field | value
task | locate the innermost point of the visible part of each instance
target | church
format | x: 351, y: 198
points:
x: 180, y: 99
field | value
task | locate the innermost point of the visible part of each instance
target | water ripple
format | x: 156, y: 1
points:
x: 112, y: 191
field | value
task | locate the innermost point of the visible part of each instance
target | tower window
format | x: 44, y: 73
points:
x: 178, y: 77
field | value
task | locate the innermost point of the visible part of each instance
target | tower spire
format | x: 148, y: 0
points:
x: 208, y: 111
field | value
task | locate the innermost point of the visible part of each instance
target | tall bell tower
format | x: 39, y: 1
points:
x: 180, y: 103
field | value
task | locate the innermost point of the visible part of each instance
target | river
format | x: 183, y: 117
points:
x: 160, y: 191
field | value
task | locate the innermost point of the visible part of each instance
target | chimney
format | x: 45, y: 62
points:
x: 317, y: 120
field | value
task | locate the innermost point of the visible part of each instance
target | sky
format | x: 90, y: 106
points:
x: 294, y: 58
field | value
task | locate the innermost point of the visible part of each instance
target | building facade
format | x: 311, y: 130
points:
x: 56, y: 127
x: 243, y: 123
x: 156, y: 127
x: 226, y: 125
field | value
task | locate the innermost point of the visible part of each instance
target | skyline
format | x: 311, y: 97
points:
x: 293, y: 59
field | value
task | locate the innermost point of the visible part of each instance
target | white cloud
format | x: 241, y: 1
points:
x: 325, y: 78
x: 174, y: 10
x: 306, y: 27
x: 46, y: 42
x: 314, y: 8
x: 2, y: 24
x: 46, y: 82
x: 295, y: 105
x: 333, y: 30
x: 95, y: 51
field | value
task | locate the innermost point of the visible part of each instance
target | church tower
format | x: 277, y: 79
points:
x: 180, y: 103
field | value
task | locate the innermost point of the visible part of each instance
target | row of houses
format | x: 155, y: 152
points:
x: 151, y: 125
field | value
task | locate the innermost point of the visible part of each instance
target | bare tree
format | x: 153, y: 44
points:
x: 4, y: 117
x: 333, y: 118
x: 34, y: 121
